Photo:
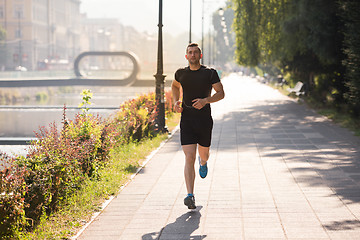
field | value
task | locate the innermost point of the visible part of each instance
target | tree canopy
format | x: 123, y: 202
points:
x: 313, y: 41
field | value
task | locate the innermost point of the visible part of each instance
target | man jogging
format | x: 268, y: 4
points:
x: 195, y: 82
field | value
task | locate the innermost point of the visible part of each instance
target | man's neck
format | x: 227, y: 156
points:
x: 194, y: 67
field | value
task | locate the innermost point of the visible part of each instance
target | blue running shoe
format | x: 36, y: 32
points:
x: 203, y: 170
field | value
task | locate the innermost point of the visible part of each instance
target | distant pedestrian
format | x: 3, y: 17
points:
x: 195, y: 82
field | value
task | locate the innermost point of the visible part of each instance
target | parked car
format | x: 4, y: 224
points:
x: 21, y: 69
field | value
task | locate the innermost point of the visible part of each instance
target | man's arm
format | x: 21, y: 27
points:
x: 175, y: 89
x: 218, y: 95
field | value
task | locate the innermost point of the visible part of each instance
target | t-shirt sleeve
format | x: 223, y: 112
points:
x: 214, y: 77
x: 177, y: 77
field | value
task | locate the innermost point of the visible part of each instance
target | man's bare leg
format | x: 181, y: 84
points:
x: 189, y: 169
x: 204, y: 153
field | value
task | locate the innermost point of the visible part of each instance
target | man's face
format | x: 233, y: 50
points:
x: 193, y: 55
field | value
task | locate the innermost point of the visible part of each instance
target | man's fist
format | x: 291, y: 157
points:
x: 178, y: 107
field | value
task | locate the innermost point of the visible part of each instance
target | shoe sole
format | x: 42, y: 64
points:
x: 202, y: 176
x: 189, y: 204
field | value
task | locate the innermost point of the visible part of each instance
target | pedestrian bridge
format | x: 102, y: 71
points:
x: 93, y: 68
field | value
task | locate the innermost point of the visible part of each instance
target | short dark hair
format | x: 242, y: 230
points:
x: 193, y: 45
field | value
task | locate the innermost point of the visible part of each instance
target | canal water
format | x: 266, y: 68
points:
x: 23, y: 119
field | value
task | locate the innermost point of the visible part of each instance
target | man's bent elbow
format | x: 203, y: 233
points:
x: 174, y: 88
x: 222, y: 95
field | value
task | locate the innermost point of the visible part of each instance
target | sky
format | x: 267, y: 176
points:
x: 144, y: 14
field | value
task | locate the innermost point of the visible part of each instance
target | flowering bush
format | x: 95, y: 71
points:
x: 87, y: 132
x: 59, y: 161
x: 53, y: 171
x: 135, y: 120
x: 169, y: 104
x: 12, y: 191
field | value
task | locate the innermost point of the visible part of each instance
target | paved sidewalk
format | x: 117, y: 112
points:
x: 277, y: 171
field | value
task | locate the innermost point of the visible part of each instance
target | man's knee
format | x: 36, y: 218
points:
x: 204, y: 153
x: 190, y: 157
x: 190, y: 152
x: 205, y: 156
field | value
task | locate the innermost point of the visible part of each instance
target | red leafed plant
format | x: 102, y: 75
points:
x: 61, y: 158
x: 12, y: 201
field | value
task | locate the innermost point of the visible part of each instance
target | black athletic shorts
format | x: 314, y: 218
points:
x: 196, y: 131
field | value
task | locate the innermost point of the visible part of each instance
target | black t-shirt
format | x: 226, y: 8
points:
x: 196, y: 84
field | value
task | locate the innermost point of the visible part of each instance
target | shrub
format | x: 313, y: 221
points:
x: 169, y: 104
x: 85, y: 131
x: 12, y: 191
x: 58, y: 162
x: 61, y: 159
x: 135, y: 119
x: 41, y: 97
x: 53, y: 171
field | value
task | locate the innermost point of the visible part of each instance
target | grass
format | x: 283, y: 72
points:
x: 79, y: 209
x: 173, y: 121
x: 337, y: 115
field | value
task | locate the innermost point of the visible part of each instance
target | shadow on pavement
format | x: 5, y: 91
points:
x: 317, y: 152
x: 343, y: 225
x: 181, y: 229
x: 294, y: 134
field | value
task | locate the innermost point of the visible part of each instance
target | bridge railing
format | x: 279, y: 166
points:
x: 90, y: 68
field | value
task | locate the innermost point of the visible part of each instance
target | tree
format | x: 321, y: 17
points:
x: 247, y: 39
x: 257, y: 26
x: 312, y: 29
x: 351, y: 15
x: 224, y: 36
x: 301, y: 37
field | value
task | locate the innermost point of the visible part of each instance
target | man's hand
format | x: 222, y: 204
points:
x: 178, y: 107
x: 199, y: 103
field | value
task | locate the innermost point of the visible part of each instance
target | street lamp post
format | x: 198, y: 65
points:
x: 20, y: 33
x: 160, y: 77
x: 202, y: 31
x: 190, y: 21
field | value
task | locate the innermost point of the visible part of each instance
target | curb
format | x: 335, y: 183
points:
x: 107, y: 202
x: 16, y: 140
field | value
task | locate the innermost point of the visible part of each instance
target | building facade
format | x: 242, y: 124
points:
x: 108, y: 34
x: 39, y: 31
x: 50, y: 34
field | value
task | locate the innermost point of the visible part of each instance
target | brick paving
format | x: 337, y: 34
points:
x: 277, y: 170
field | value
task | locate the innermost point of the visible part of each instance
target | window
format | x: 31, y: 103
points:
x: 41, y: 2
x: 39, y: 13
x: 1, y: 12
x: 18, y: 33
x: 18, y: 11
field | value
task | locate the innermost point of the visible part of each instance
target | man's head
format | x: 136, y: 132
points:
x: 193, y: 53
x: 193, y: 45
